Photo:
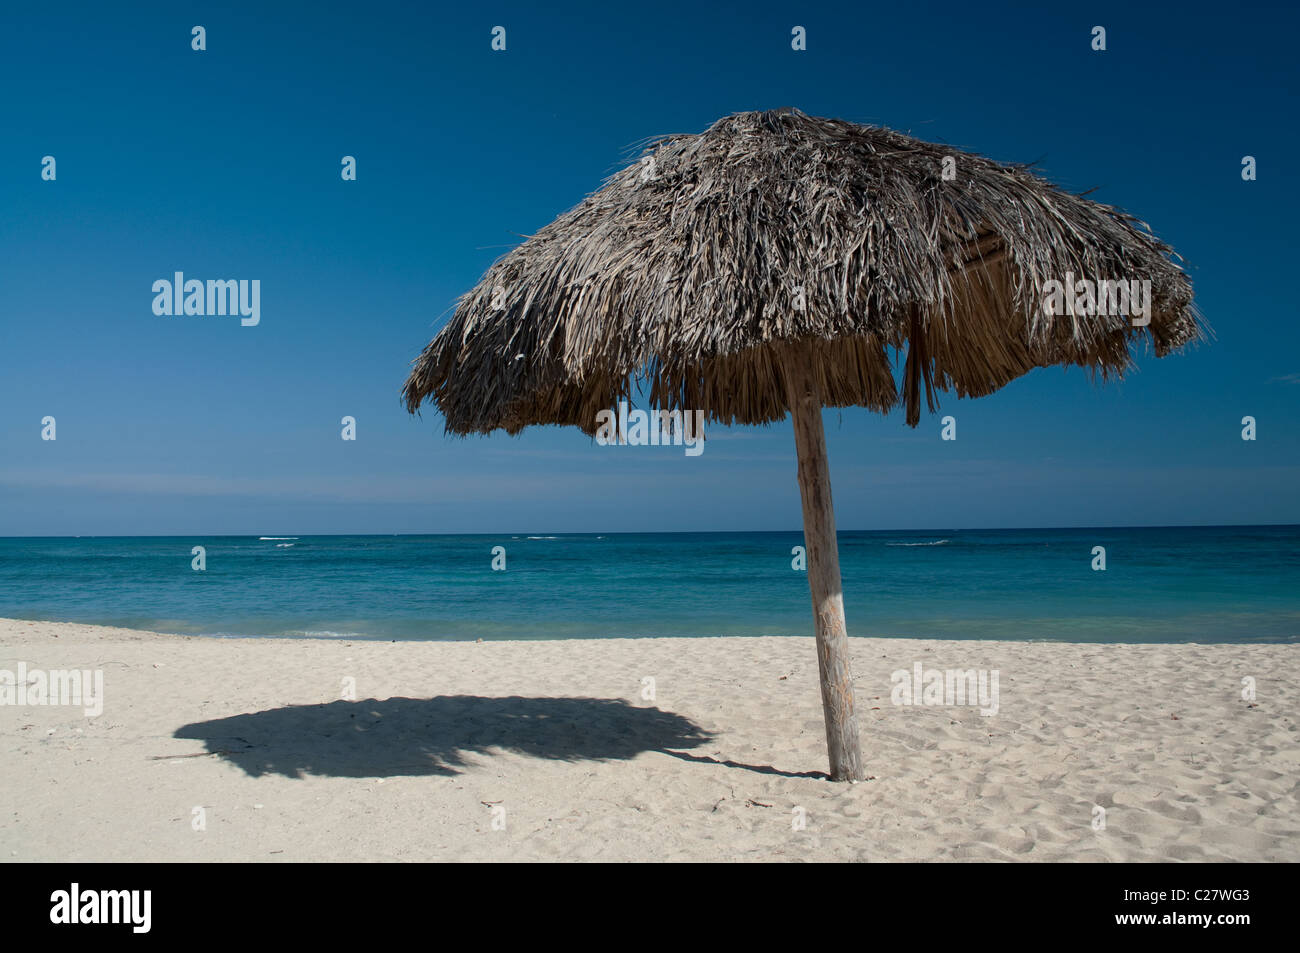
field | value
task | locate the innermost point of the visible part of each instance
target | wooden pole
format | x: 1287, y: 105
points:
x: 842, y: 741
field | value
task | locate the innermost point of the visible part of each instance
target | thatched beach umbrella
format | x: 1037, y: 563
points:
x: 770, y: 265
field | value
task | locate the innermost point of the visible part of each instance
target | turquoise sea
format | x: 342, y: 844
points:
x: 1203, y: 584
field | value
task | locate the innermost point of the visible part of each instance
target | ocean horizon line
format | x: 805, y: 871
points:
x: 287, y: 534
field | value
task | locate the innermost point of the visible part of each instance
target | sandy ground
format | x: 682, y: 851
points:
x: 243, y: 749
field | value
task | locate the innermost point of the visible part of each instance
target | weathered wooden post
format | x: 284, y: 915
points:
x: 842, y: 742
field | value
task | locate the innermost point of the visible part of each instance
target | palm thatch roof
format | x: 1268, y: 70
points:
x: 696, y: 269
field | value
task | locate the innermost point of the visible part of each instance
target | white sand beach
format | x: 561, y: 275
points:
x: 246, y: 749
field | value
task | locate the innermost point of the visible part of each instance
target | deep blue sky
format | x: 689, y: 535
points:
x: 225, y: 164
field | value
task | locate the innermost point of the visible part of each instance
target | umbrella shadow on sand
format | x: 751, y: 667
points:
x: 433, y: 736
